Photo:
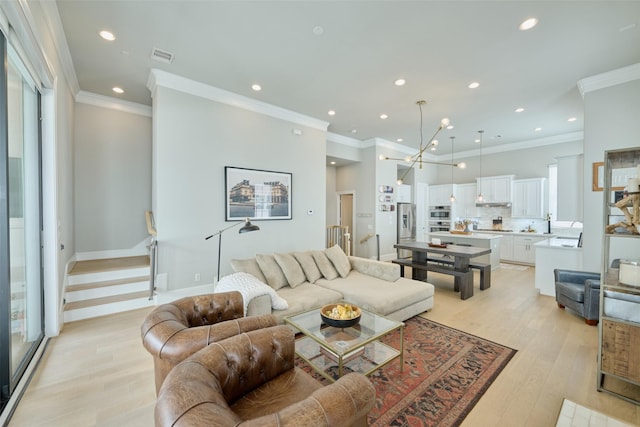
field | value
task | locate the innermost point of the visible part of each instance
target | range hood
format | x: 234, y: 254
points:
x: 493, y: 204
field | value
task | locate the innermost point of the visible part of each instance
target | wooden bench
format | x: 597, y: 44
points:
x: 485, y: 269
x: 463, y: 281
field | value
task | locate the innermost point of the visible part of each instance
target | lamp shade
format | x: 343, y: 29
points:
x: 248, y: 227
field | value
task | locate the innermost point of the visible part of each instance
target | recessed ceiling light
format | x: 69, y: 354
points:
x: 528, y: 24
x: 537, y: 129
x: 331, y: 113
x: 473, y: 85
x: 399, y: 140
x: 571, y: 119
x: 519, y: 110
x: 477, y: 141
x: 400, y: 82
x: 333, y: 163
x: 107, y: 35
x: 383, y: 116
x: 256, y: 87
x: 354, y: 130
x: 117, y: 89
x: 450, y: 127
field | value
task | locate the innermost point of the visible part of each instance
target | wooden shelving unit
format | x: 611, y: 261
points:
x: 619, y: 326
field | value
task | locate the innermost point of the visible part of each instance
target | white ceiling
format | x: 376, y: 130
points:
x: 439, y: 47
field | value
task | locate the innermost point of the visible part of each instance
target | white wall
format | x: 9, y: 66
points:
x: 611, y: 122
x: 112, y: 176
x: 194, y: 138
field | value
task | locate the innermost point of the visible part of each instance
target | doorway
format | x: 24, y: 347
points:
x: 346, y: 209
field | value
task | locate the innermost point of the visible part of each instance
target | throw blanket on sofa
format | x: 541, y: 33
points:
x: 250, y: 287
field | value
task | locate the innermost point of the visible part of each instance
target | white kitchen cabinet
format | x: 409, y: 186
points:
x: 506, y: 247
x: 495, y: 189
x: 403, y: 193
x: 523, y: 249
x: 465, y: 205
x: 440, y: 195
x: 528, y: 198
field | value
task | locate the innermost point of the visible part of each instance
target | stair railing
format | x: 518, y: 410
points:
x: 153, y: 251
x: 339, y: 235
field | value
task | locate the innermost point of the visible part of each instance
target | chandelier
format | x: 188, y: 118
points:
x: 432, y: 143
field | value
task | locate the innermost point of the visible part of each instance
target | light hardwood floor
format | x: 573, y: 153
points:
x: 96, y: 373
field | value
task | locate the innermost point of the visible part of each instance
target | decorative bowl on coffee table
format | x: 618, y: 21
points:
x: 352, y: 317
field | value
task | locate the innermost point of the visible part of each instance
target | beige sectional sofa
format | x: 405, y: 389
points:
x: 309, y: 279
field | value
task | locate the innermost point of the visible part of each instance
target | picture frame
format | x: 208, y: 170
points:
x: 597, y: 176
x: 597, y: 182
x: 257, y: 194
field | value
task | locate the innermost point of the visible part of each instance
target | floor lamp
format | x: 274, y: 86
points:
x: 246, y: 228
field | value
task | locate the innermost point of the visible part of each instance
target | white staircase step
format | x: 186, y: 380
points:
x: 107, y: 288
x: 106, y: 305
x: 102, y: 276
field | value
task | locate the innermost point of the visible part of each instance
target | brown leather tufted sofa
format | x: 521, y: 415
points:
x: 172, y: 332
x: 250, y: 380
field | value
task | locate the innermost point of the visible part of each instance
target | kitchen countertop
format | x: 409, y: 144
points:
x: 516, y: 233
x: 473, y: 235
x: 559, y: 243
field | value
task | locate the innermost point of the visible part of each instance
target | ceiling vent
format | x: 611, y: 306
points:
x: 162, y: 55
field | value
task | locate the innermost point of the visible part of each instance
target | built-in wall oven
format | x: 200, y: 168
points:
x: 439, y: 218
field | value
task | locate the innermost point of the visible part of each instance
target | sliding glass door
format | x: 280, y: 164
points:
x: 21, y: 284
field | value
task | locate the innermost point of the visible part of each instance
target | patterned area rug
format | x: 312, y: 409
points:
x: 446, y: 371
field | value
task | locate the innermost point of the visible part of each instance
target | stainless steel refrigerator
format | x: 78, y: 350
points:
x: 406, y: 231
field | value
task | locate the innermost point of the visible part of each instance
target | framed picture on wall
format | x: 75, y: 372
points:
x: 257, y: 194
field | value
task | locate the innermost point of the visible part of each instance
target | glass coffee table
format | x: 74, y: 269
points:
x: 333, y: 352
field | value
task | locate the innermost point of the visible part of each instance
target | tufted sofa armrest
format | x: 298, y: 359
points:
x: 380, y: 269
x: 174, y: 331
x: 201, y: 390
x: 592, y: 299
x: 339, y: 404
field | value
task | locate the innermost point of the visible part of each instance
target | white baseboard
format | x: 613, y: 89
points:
x: 172, y: 295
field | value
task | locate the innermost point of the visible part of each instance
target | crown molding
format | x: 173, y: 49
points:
x: 532, y: 143
x: 52, y: 16
x: 608, y: 79
x: 113, y: 103
x: 164, y: 79
x: 344, y: 140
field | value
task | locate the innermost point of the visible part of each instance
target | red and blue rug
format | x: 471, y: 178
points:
x: 446, y: 372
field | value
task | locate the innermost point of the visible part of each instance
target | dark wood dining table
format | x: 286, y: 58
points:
x: 421, y: 263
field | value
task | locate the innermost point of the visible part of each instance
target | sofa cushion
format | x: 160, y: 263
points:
x: 308, y: 264
x: 324, y: 264
x: 339, y: 260
x: 573, y: 291
x: 377, y: 295
x: 272, y: 271
x: 291, y: 269
x: 305, y: 297
x: 381, y: 270
x: 248, y: 266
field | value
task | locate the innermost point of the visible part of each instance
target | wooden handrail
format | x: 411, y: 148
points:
x: 151, y: 228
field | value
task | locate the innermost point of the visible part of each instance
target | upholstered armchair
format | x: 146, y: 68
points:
x: 579, y: 291
x: 250, y: 380
x: 172, y: 332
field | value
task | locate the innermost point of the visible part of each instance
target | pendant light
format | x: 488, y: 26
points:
x: 430, y: 144
x: 453, y: 197
x: 480, y: 196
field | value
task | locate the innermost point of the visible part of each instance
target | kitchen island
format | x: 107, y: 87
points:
x: 557, y: 252
x: 479, y: 240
